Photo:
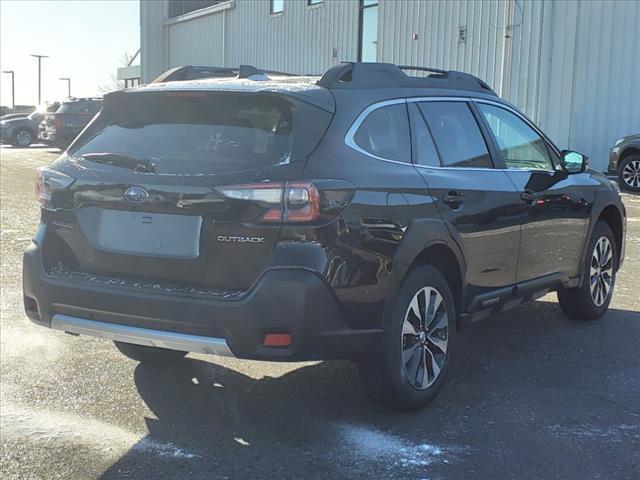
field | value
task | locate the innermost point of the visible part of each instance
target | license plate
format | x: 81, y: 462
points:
x: 149, y: 234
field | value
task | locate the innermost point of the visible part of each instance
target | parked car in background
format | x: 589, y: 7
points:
x: 367, y: 215
x: 624, y: 161
x: 10, y: 116
x: 59, y: 129
x: 22, y: 131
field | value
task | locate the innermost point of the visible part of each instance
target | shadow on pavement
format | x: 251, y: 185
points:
x: 517, y: 378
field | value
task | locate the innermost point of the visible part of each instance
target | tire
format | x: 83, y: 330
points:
x: 391, y: 381
x: 22, y: 138
x: 149, y: 355
x: 585, y: 302
x: 629, y: 173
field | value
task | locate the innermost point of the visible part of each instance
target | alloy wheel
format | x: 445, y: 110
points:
x: 425, y: 335
x: 601, y: 271
x: 631, y: 174
x: 23, y: 138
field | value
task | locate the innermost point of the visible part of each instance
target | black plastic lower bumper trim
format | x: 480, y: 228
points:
x: 287, y: 300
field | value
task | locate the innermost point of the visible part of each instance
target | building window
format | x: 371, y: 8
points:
x: 276, y: 6
x: 131, y: 82
x: 368, y: 41
x: 181, y: 7
x: 314, y: 2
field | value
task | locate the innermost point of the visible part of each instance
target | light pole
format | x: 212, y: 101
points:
x: 13, y: 88
x: 39, y: 57
x: 68, y: 80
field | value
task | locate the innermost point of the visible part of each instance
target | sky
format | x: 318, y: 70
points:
x: 85, y: 40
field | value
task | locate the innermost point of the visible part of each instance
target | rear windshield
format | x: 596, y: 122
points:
x: 205, y: 133
x: 80, y: 106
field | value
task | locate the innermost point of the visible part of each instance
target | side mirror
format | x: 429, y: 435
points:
x: 574, y: 162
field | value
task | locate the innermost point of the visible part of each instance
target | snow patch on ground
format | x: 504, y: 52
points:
x: 17, y: 422
x: 374, y: 444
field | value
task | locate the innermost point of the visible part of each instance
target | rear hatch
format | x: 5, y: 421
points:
x: 180, y: 189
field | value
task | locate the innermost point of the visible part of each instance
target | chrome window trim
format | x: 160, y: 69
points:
x: 475, y: 169
x: 350, y: 142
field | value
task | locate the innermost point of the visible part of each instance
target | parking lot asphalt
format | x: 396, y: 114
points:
x: 531, y: 395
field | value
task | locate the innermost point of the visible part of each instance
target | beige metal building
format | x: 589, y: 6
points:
x: 572, y: 66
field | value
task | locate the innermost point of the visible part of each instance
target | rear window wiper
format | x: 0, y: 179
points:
x: 122, y: 160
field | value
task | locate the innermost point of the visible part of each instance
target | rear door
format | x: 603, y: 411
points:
x: 478, y: 201
x: 556, y: 206
x: 184, y: 188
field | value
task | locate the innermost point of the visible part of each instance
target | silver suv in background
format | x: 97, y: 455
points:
x: 624, y: 161
x: 23, y: 131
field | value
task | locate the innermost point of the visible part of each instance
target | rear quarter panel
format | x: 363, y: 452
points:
x: 361, y: 246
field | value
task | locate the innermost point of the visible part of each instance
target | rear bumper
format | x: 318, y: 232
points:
x: 52, y: 138
x: 59, y: 137
x: 286, y: 300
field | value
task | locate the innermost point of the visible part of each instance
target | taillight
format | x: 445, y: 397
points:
x: 268, y: 194
x: 57, y: 122
x: 301, y: 202
x: 47, y: 182
x: 286, y: 202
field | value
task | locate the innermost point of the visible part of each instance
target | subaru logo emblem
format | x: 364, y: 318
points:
x: 136, y: 194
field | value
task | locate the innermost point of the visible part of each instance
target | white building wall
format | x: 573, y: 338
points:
x: 435, y: 25
x: 605, y: 100
x: 569, y: 65
x: 303, y: 39
x: 152, y: 38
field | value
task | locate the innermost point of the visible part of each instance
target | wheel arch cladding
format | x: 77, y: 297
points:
x: 440, y: 256
x: 628, y: 152
x: 613, y: 218
x: 428, y: 242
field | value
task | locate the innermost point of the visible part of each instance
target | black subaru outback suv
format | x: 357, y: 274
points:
x: 370, y: 215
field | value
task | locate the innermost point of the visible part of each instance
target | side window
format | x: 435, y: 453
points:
x: 385, y: 133
x: 456, y: 134
x: 521, y: 146
x: 424, y: 149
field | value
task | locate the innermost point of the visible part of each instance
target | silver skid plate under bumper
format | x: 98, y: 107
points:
x: 142, y: 336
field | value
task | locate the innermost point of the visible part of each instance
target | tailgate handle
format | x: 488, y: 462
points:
x: 199, y: 200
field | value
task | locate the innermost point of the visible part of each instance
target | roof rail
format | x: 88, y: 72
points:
x: 375, y: 75
x: 75, y: 99
x: 194, y: 72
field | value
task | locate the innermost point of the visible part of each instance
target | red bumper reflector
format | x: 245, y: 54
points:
x: 277, y: 340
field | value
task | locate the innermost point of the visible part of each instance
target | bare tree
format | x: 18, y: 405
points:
x: 114, y: 84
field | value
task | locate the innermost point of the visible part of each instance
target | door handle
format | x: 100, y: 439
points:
x: 528, y: 196
x: 453, y: 199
